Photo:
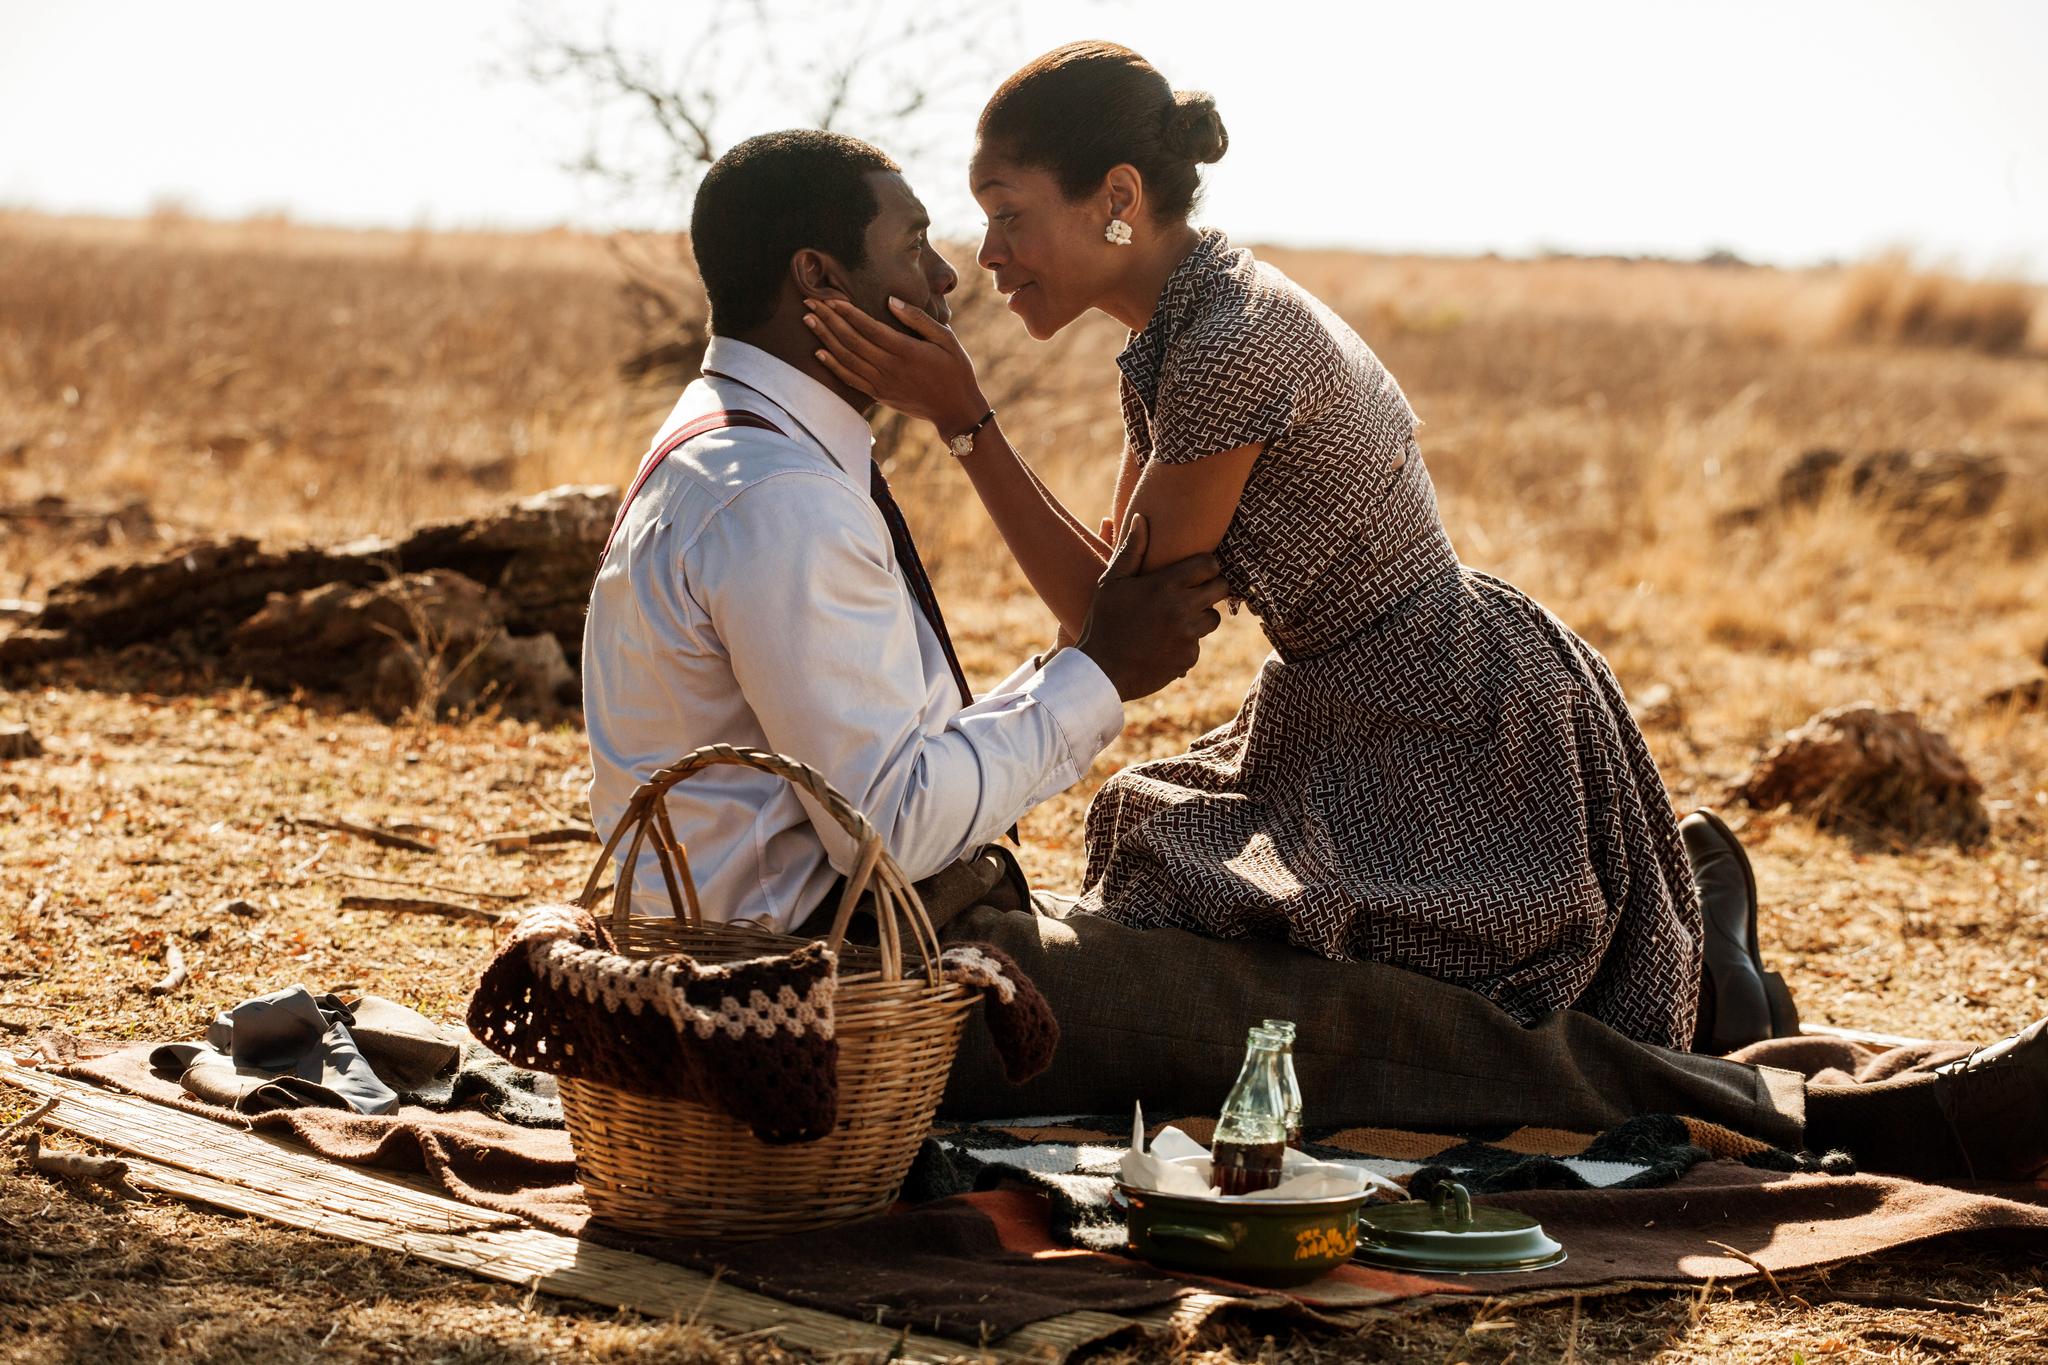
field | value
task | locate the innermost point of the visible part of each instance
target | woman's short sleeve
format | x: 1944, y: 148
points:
x: 1137, y: 425
x: 1229, y: 380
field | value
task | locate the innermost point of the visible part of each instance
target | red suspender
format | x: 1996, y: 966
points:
x: 689, y: 431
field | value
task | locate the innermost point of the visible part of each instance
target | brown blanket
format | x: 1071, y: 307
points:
x: 1786, y: 1221
x: 1664, y: 1228
x: 939, y: 1267
x: 527, y: 1172
x: 983, y: 1265
x: 1841, y: 1061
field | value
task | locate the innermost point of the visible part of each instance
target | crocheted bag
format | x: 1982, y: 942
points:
x: 666, y: 1165
x: 753, y: 1039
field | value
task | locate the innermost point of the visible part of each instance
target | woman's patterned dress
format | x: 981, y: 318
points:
x: 1430, y: 771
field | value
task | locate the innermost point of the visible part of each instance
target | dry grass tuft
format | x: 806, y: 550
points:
x: 1887, y: 300
x: 310, y: 382
x: 1588, y: 423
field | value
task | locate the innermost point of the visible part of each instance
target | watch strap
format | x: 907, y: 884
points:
x: 963, y: 444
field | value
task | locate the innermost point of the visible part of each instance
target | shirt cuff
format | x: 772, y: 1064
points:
x: 1083, y: 703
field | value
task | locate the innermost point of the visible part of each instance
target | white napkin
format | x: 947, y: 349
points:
x: 1157, y: 1169
x: 1363, y: 1175
x: 1174, y: 1145
x: 1177, y: 1164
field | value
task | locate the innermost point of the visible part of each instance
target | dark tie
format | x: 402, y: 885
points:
x: 913, y: 570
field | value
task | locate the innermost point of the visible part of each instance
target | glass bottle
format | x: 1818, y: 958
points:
x: 1289, y: 1085
x: 1251, y: 1136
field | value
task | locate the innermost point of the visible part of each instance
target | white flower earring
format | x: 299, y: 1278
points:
x: 1118, y: 233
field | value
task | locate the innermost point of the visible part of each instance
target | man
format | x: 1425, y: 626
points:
x: 762, y: 590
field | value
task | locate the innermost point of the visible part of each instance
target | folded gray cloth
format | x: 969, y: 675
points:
x: 295, y: 1050
x: 214, y: 1078
x: 283, y: 1050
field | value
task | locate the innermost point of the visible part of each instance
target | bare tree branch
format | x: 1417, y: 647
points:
x: 879, y: 70
x: 872, y: 70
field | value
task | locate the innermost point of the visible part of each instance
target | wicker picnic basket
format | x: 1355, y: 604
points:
x: 670, y: 1168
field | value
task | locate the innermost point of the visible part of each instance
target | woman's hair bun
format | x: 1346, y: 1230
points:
x: 1082, y: 110
x: 1194, y: 129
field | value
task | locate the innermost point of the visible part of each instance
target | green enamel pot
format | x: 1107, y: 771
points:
x: 1272, y: 1243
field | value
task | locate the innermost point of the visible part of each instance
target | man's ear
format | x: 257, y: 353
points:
x: 818, y: 276
x: 1124, y: 190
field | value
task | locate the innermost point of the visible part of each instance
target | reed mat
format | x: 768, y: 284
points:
x: 192, y: 1158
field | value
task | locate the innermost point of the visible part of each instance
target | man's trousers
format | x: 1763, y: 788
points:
x: 1160, y: 1016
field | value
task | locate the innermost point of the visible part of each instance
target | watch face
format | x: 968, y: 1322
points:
x: 963, y: 446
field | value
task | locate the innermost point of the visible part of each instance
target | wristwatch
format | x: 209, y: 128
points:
x: 963, y: 445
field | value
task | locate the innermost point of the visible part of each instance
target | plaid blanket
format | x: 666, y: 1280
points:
x: 984, y: 1264
x: 1072, y: 1159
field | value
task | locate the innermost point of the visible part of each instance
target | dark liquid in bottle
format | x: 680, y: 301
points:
x: 1241, y: 1168
x: 1294, y: 1138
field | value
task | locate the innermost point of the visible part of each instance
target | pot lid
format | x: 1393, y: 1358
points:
x: 1447, y: 1234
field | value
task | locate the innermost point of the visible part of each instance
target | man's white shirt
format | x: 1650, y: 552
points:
x: 752, y: 597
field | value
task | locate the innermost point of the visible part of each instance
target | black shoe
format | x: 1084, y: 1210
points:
x: 1735, y: 1002
x: 1996, y: 1104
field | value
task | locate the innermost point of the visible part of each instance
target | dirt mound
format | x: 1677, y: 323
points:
x: 1872, y: 772
x: 1929, y: 482
x: 361, y: 618
x: 387, y: 643
x: 2028, y: 694
x: 57, y: 517
x: 1917, y: 489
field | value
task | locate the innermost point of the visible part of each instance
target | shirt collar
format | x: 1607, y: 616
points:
x: 831, y: 423
x: 1144, y: 355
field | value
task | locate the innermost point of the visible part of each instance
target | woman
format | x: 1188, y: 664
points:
x: 1430, y: 771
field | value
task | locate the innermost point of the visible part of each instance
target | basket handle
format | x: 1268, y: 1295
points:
x: 646, y: 817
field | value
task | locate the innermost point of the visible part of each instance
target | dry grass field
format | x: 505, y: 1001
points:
x: 1601, y: 432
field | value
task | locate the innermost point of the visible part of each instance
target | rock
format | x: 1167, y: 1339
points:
x: 132, y: 522
x: 337, y: 618
x: 2026, y: 695
x: 2021, y: 696
x: 205, y: 588
x: 1857, y: 768
x: 1935, y: 483
x: 1657, y: 707
x: 526, y: 675
x: 17, y: 742
x: 33, y: 646
x: 532, y: 673
x: 572, y: 515
x: 354, y: 641
x: 1921, y: 487
x: 538, y: 555
x: 372, y: 643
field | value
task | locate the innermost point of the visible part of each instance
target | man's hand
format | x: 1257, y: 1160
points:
x: 918, y: 368
x: 1145, y: 630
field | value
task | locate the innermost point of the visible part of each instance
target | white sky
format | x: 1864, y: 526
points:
x: 1790, y: 131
